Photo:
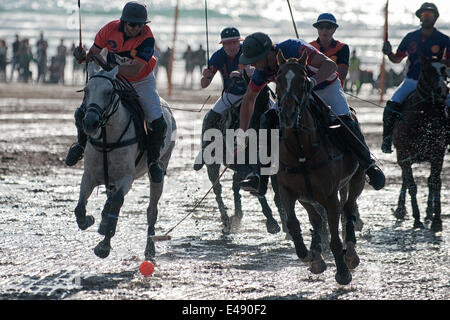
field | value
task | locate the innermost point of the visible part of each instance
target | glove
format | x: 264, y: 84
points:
x: 79, y: 54
x: 387, y: 48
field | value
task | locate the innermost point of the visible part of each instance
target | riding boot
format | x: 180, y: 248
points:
x: 77, y: 149
x: 254, y: 182
x: 392, y: 111
x: 352, y: 136
x: 155, y: 141
x: 210, y: 121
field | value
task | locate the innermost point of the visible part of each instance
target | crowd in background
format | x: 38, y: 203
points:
x: 21, y: 54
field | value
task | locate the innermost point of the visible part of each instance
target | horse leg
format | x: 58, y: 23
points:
x: 293, y: 225
x: 156, y: 190
x: 276, y: 199
x: 105, y: 212
x: 317, y: 265
x: 332, y: 206
x: 86, y: 188
x: 271, y: 224
x: 237, y: 217
x: 355, y: 188
x: 213, y: 174
x: 103, y: 248
x: 407, y: 176
x: 400, y: 212
x: 434, y: 185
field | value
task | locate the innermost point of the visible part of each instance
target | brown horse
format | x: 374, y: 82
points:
x: 313, y: 171
x: 420, y: 136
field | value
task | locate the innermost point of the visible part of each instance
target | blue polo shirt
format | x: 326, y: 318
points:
x: 413, y: 43
x: 221, y: 62
x: 292, y: 48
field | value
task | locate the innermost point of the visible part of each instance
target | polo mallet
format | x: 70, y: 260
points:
x: 207, y: 40
x: 292, y: 17
x: 166, y: 236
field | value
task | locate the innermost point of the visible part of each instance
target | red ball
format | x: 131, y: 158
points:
x: 146, y: 268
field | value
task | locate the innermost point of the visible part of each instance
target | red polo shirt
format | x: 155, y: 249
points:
x: 113, y: 38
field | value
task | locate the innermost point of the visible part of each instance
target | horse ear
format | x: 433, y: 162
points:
x: 113, y: 73
x: 91, y: 70
x: 304, y: 58
x: 280, y: 58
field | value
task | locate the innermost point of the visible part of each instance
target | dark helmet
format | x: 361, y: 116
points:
x: 427, y: 6
x: 255, y: 47
x: 230, y: 33
x: 134, y: 12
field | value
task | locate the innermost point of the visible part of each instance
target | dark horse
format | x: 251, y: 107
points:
x: 420, y: 136
x: 230, y: 120
x: 313, y: 171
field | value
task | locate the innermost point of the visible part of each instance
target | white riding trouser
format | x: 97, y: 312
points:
x: 148, y: 97
x: 227, y: 100
x: 406, y: 87
x: 332, y: 96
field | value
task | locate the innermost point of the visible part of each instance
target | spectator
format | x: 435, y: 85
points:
x: 15, y: 57
x: 188, y: 56
x: 200, y: 58
x: 3, y: 53
x: 41, y: 58
x: 25, y: 57
x: 61, y: 57
x: 164, y: 61
x: 355, y: 72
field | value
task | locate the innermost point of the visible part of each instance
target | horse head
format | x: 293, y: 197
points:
x: 100, y: 100
x: 434, y: 74
x: 291, y: 88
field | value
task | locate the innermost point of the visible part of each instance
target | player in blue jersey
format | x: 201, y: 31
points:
x: 427, y: 41
x: 258, y: 51
x: 226, y: 61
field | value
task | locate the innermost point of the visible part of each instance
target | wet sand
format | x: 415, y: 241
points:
x: 43, y: 255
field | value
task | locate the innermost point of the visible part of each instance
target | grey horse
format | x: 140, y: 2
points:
x: 107, y: 122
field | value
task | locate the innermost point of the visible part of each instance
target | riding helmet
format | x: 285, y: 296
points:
x: 255, y: 47
x: 325, y: 17
x: 134, y: 12
x: 230, y: 33
x: 427, y: 6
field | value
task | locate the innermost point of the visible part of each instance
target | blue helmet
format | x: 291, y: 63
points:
x: 325, y: 17
x: 134, y: 12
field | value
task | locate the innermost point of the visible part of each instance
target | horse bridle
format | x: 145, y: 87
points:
x: 105, y: 113
x: 299, y: 103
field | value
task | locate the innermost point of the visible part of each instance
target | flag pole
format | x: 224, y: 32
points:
x: 172, y: 52
x: 383, y: 61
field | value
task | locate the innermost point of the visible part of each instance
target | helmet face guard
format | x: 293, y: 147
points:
x: 134, y: 12
x: 255, y: 47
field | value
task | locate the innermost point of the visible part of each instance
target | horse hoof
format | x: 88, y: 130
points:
x: 436, y: 225
x: 88, y: 221
x: 272, y: 226
x: 418, y: 225
x: 343, y: 279
x: 235, y: 223
x: 102, y: 250
x: 318, y: 266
